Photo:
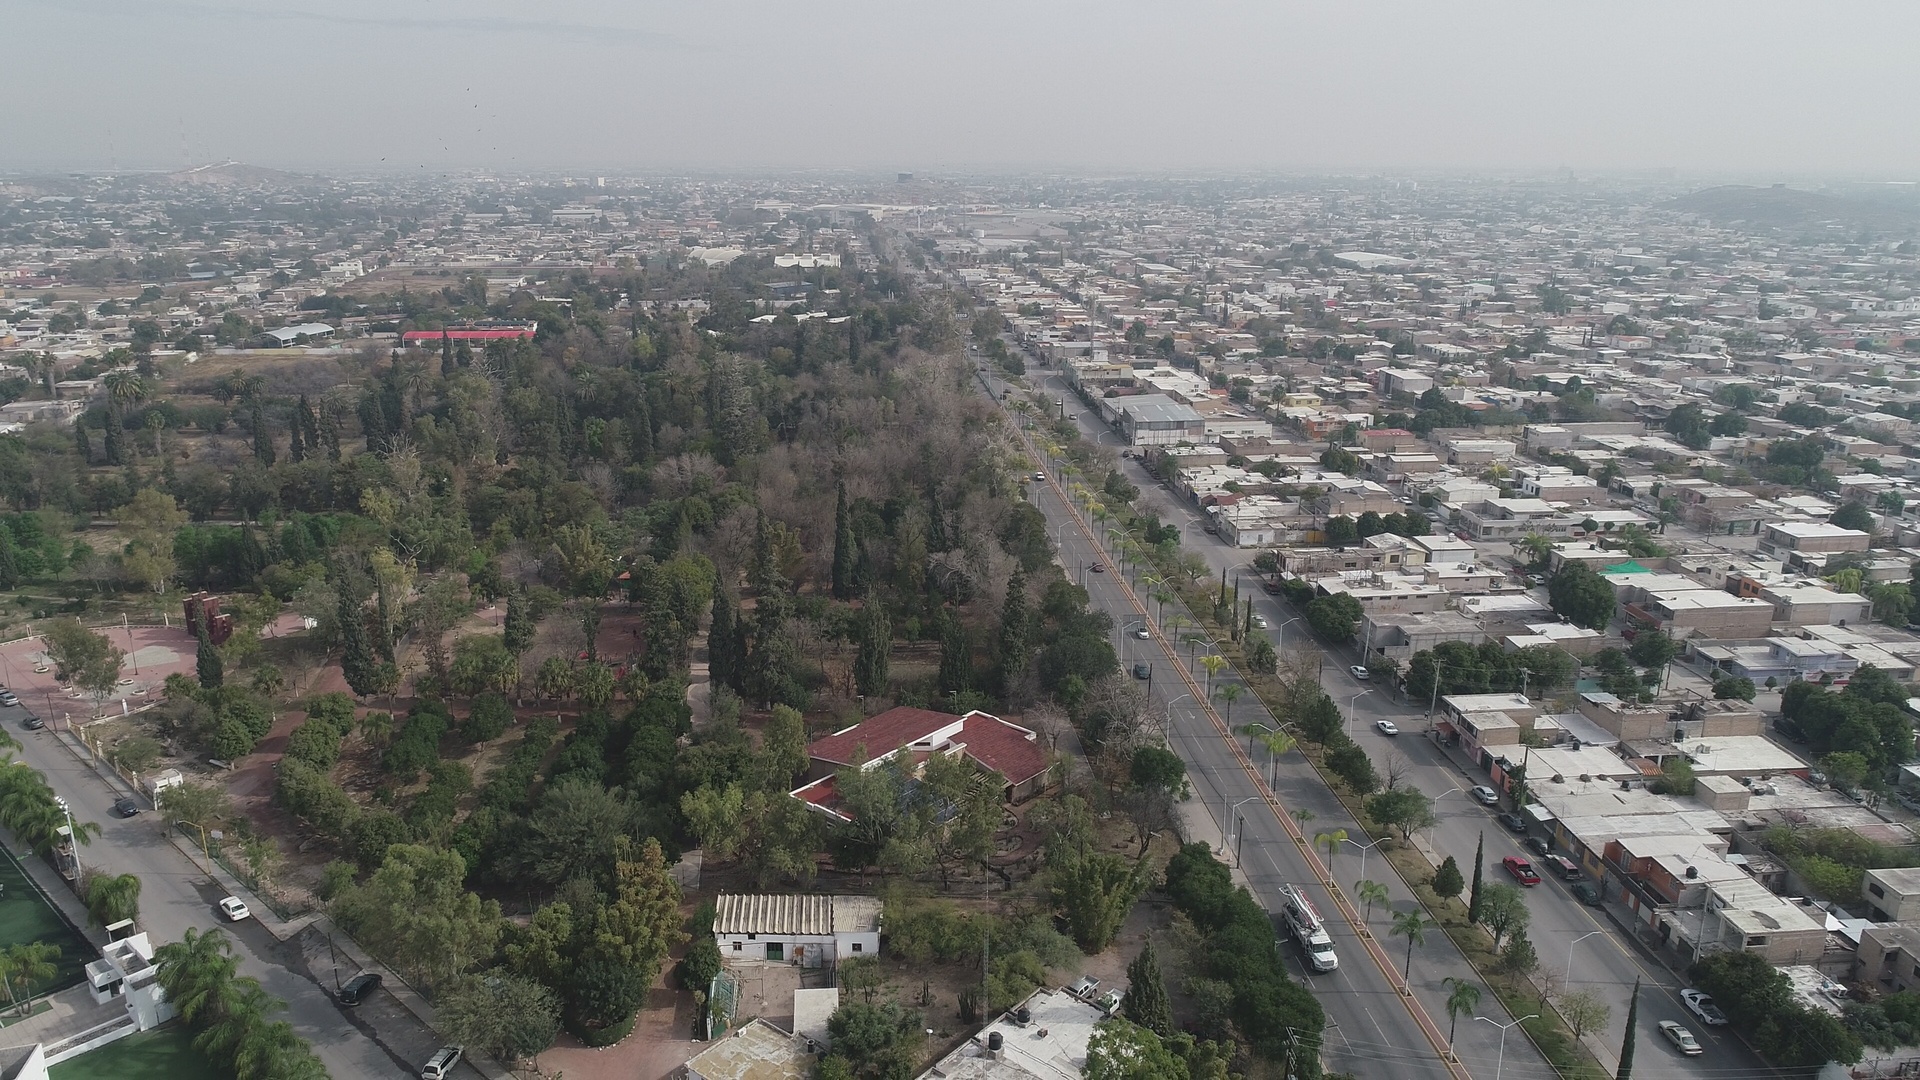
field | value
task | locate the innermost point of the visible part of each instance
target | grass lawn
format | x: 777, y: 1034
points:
x: 165, y: 1053
x: 26, y: 916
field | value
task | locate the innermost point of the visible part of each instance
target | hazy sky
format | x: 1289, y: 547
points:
x: 1707, y: 86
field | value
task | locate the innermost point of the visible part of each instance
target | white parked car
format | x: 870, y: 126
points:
x: 1386, y: 727
x: 1260, y: 621
x: 1680, y: 1037
x: 1486, y: 795
x: 1359, y: 672
x: 1143, y: 633
x: 1700, y: 1004
x: 234, y: 909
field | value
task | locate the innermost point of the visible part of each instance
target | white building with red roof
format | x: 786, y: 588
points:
x: 990, y: 743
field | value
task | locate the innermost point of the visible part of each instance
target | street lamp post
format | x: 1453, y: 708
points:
x: 1233, y: 817
x: 1168, y: 732
x: 1501, y: 1062
x: 1350, y: 704
x: 1570, y: 946
x: 1273, y: 759
x: 1364, y: 848
x: 1280, y: 633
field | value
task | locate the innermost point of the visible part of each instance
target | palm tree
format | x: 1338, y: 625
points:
x: 377, y: 728
x: 1370, y: 892
x: 1413, y: 925
x: 195, y: 971
x: 1213, y: 663
x: 1463, y: 998
x: 242, y: 1006
x: 113, y: 898
x: 23, y: 965
x: 125, y: 388
x: 1230, y: 692
x: 1331, y: 840
x: 265, y: 1050
x: 1539, y: 547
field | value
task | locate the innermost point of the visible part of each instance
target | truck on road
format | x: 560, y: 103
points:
x: 1308, y: 928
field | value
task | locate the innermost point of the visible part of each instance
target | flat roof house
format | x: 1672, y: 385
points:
x: 1158, y: 420
x: 1893, y: 894
x: 1781, y: 540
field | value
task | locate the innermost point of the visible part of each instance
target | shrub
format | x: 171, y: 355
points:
x: 417, y: 746
x: 315, y: 742
x: 488, y: 719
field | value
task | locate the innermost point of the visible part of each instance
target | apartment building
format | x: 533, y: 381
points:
x: 1893, y: 894
x: 1783, y: 540
x: 1509, y: 519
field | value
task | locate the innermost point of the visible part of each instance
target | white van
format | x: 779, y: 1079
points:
x: 440, y: 1065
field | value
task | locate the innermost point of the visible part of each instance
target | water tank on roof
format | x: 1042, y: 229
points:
x: 1693, y: 872
x: 994, y: 1041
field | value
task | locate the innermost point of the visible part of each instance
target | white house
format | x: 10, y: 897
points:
x: 798, y: 929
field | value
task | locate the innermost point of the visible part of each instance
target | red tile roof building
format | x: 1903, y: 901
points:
x: 990, y: 743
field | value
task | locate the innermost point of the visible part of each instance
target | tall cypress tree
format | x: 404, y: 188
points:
x: 1015, y: 629
x: 723, y: 662
x: 262, y: 435
x: 516, y: 631
x: 382, y: 637
x: 307, y: 422
x: 936, y: 522
x: 1146, y: 1001
x: 296, y: 442
x: 207, y: 663
x: 1473, y: 897
x: 956, y: 657
x: 842, y: 545
x: 640, y: 430
x: 9, y: 562
x: 876, y: 643
x: 1626, y: 1041
x: 114, y: 445
x: 760, y: 573
x: 356, y: 656
x: 81, y: 446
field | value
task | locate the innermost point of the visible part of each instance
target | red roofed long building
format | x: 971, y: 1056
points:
x: 480, y: 334
x: 990, y: 743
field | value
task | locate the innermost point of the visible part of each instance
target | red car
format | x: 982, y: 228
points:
x: 1521, y: 869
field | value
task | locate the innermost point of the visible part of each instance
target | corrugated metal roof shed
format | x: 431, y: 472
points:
x: 794, y: 914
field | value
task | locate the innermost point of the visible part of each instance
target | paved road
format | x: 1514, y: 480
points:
x: 1603, y: 958
x: 176, y: 895
x: 1370, y: 1031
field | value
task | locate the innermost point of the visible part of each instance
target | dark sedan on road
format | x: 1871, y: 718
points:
x: 1513, y: 821
x: 359, y: 988
x: 1539, y: 846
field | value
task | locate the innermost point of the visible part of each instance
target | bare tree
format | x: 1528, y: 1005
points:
x: 1048, y: 720
x: 1395, y: 768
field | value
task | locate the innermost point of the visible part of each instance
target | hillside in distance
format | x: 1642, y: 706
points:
x: 1782, y: 207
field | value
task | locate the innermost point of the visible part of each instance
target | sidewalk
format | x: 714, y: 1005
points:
x: 288, y: 929
x: 67, y: 1013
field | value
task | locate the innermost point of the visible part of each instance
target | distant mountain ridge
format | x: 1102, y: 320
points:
x: 1782, y: 207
